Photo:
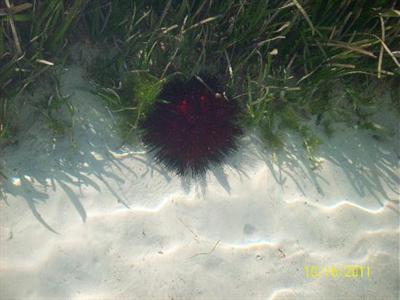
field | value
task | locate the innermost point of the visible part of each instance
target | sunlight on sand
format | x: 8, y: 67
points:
x: 91, y: 218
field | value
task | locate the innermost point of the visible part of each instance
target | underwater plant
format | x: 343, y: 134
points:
x: 193, y: 125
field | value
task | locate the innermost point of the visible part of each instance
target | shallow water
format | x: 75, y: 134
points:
x: 87, y: 217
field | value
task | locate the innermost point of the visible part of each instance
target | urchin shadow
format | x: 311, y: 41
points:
x: 236, y: 163
x: 152, y: 164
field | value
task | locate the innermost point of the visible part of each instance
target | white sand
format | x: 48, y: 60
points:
x: 84, y: 218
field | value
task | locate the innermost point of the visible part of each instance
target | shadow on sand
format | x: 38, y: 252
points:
x: 368, y: 167
x: 83, y: 156
x: 87, y: 154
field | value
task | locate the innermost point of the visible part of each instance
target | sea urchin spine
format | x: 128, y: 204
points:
x: 192, y: 125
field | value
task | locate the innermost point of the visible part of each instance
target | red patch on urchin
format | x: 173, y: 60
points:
x: 192, y: 125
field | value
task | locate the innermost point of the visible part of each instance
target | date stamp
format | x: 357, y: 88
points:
x: 338, y: 271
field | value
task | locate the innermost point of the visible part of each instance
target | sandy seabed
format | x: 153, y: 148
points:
x: 84, y: 216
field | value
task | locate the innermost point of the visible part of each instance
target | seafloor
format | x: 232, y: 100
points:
x: 84, y: 216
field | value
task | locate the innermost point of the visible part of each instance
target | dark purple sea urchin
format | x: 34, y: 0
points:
x: 192, y: 125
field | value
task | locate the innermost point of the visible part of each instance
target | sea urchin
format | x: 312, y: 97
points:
x: 192, y: 125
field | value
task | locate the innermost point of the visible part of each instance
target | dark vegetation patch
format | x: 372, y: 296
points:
x: 282, y: 61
